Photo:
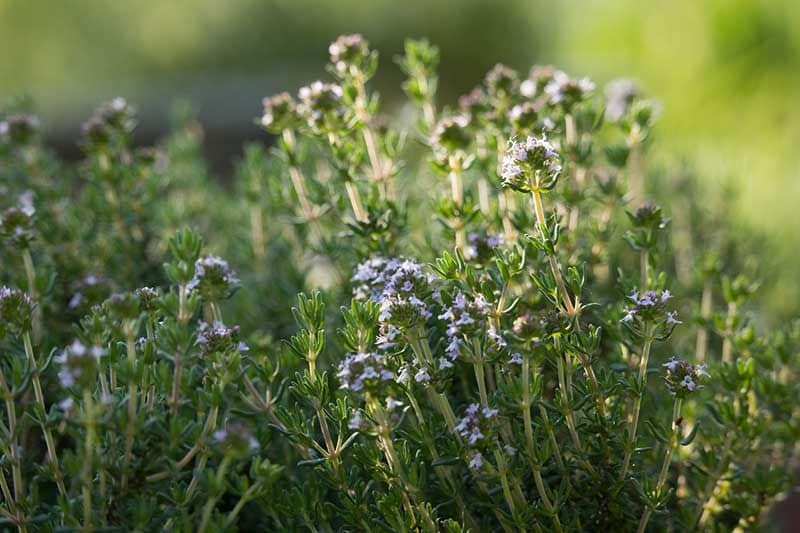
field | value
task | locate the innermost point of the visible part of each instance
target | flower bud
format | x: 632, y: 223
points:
x: 280, y: 113
x: 16, y: 312
x: 213, y: 279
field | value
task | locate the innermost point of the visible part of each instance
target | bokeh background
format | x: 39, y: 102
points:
x: 726, y: 71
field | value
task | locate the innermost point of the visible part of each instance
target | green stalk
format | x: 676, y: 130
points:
x: 662, y: 476
x: 30, y: 273
x: 457, y: 195
x: 212, y: 500
x: 86, y: 472
x: 130, y: 426
x: 48, y: 435
x: 637, y: 403
x: 16, y: 470
x: 548, y: 504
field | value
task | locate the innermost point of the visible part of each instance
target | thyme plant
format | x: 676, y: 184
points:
x: 508, y: 319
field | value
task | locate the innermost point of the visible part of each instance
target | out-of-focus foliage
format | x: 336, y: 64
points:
x: 727, y: 71
x: 500, y: 329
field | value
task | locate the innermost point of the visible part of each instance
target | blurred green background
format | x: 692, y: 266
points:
x: 726, y: 71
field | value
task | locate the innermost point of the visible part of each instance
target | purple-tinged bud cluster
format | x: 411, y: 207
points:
x: 280, y: 113
x: 321, y: 106
x: 112, y: 118
x: 533, y: 163
x: 526, y: 118
x: 79, y: 364
x: 236, y: 440
x: 90, y: 290
x: 481, y: 245
x: 566, y: 91
x: 501, y: 81
x: 467, y: 317
x: 401, y: 287
x: 18, y: 128
x: 16, y: 312
x: 683, y: 377
x: 475, y: 426
x: 473, y: 104
x: 147, y: 297
x: 650, y: 306
x: 364, y: 371
x: 538, y: 78
x: 620, y: 94
x: 213, y: 278
x: 217, y: 338
x: 16, y: 227
x: 451, y: 135
x: 350, y: 54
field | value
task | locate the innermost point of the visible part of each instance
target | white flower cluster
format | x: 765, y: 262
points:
x: 213, y: 278
x: 319, y: 101
x: 363, y: 370
x: 219, y: 338
x: 399, y: 286
x: 683, y: 377
x: 650, y: 306
x: 467, y: 317
x: 78, y: 361
x: 536, y: 155
x: 562, y: 89
x: 474, y: 425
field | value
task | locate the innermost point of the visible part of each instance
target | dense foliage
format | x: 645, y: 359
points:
x: 558, y: 352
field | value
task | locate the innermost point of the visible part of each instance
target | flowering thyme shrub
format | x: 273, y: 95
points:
x: 573, y: 346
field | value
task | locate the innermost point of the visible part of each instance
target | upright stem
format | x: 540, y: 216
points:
x: 370, y: 141
x: 637, y: 403
x: 706, y: 302
x: 662, y: 476
x: 568, y: 414
x: 542, y: 223
x: 33, y: 293
x: 457, y: 195
x: 355, y: 202
x: 548, y: 504
x: 39, y: 395
x: 219, y: 491
x: 727, y: 342
x: 16, y: 467
x: 257, y: 232
x: 86, y: 473
x: 130, y: 427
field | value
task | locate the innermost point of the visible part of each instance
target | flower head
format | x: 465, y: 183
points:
x: 280, y: 113
x: 217, y: 338
x: 684, y: 378
x: 364, y: 371
x: 16, y: 226
x: 19, y: 128
x: 501, y: 81
x: 538, y: 78
x: 620, y: 94
x: 566, y: 91
x: 79, y: 364
x: 350, y: 55
x: 214, y: 279
x: 16, y: 312
x: 401, y: 287
x: 111, y: 119
x: 451, y: 134
x: 321, y: 106
x: 236, y: 440
x: 531, y: 164
x: 475, y: 427
x: 481, y: 245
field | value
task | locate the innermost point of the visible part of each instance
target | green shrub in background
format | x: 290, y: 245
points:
x: 517, y: 325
